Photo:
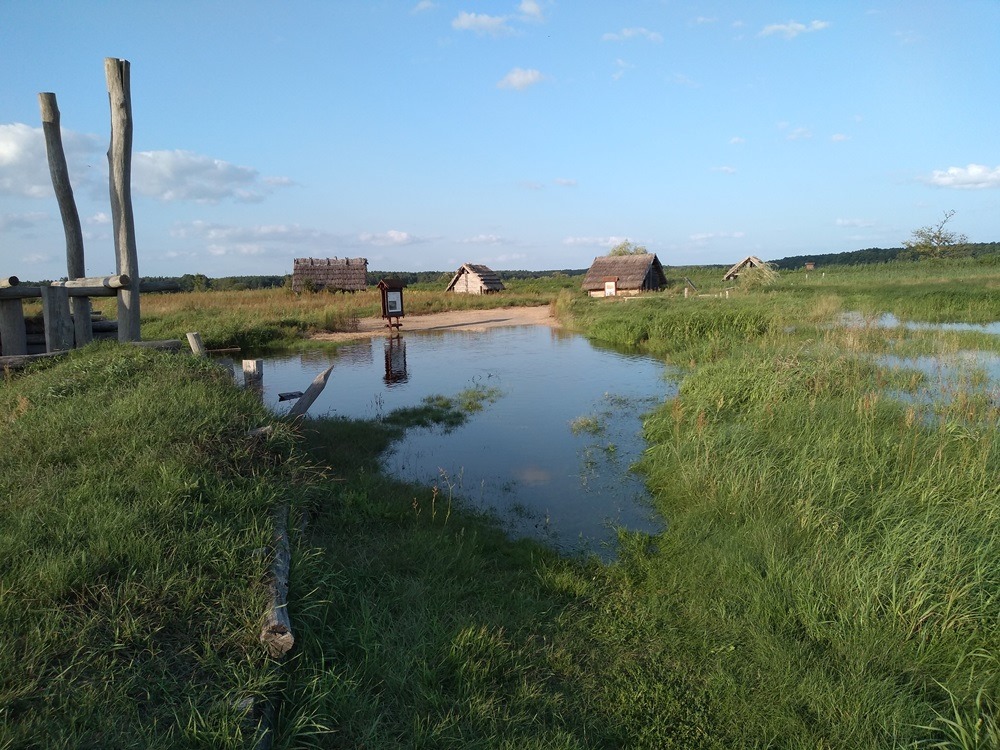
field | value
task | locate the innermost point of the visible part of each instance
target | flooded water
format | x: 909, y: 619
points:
x: 550, y: 458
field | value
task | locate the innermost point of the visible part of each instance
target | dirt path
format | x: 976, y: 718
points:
x: 457, y: 320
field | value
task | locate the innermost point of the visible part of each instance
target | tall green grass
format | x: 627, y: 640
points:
x: 132, y: 509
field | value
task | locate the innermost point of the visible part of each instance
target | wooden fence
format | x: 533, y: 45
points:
x: 67, y: 317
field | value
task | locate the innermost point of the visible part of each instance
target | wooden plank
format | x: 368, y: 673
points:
x: 198, y: 348
x: 12, y: 334
x: 58, y: 323
x: 120, y: 171
x: 301, y: 406
x: 276, y: 633
x: 117, y: 281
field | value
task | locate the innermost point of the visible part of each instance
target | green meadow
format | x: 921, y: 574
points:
x: 828, y: 575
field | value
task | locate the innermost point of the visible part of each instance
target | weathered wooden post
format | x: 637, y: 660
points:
x: 58, y: 324
x: 197, y: 347
x: 253, y: 374
x: 122, y: 219
x: 75, y: 268
x: 13, y: 339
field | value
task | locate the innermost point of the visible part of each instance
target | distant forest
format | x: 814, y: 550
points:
x: 872, y: 255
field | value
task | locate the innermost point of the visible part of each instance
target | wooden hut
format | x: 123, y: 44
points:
x: 751, y: 261
x: 613, y: 275
x: 332, y: 274
x: 473, y: 279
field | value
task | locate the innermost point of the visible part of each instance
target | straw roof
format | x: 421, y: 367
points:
x: 751, y: 261
x: 334, y: 274
x: 478, y: 277
x: 633, y: 272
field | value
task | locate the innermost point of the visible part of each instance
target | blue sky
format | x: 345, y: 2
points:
x: 528, y: 134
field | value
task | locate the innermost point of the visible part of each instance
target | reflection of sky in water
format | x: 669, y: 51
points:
x: 946, y: 374
x: 519, y: 457
x: 888, y: 320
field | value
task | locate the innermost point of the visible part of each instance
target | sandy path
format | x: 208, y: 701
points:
x: 457, y: 320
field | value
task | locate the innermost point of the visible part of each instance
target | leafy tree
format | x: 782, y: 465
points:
x: 628, y: 248
x: 935, y: 241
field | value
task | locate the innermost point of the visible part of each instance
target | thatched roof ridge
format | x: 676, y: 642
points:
x: 490, y: 279
x: 631, y: 271
x: 337, y: 274
x: 751, y: 261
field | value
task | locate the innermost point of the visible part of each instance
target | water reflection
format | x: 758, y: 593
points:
x: 520, y: 458
x: 395, y: 360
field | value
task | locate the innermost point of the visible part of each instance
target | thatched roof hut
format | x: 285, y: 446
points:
x: 473, y: 279
x: 751, y: 261
x: 611, y: 275
x: 332, y: 274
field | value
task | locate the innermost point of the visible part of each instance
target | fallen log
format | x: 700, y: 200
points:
x: 276, y: 633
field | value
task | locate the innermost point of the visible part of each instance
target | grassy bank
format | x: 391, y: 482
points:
x: 132, y: 505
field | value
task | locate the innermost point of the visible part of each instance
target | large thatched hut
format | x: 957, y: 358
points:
x: 475, y: 279
x: 332, y: 274
x: 612, y: 275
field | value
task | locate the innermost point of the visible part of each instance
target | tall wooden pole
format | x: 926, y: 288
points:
x: 80, y: 306
x: 120, y: 169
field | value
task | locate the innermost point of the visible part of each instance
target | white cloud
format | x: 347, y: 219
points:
x: 520, y: 79
x: 792, y: 29
x: 184, y: 175
x: 594, y: 241
x: 701, y: 237
x: 799, y: 134
x: 724, y: 170
x: 24, y: 167
x: 273, y: 239
x: 480, y: 23
x: 972, y: 177
x: 532, y: 185
x: 99, y: 218
x: 632, y: 33
x: 700, y: 20
x: 531, y: 11
x: 484, y: 239
x: 36, y: 258
x: 391, y: 238
x: 422, y: 6
x: 839, y: 138
x: 682, y: 80
x: 854, y: 223
x: 620, y: 67
x: 736, y: 140
x: 565, y: 182
x: 28, y: 220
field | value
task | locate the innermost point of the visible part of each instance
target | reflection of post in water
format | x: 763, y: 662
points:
x: 395, y: 360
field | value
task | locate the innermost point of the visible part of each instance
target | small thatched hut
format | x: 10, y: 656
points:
x: 332, y: 274
x: 751, y: 261
x: 611, y: 275
x: 473, y: 279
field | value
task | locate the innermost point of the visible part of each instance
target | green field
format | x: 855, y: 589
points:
x: 829, y: 576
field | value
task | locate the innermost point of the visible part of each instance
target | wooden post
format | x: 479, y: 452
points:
x: 75, y: 268
x: 194, y: 339
x: 9, y: 281
x: 58, y: 323
x: 120, y: 170
x: 13, y: 339
x: 253, y: 374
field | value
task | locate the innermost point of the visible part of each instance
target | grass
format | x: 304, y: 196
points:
x: 828, y: 576
x: 133, y: 503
